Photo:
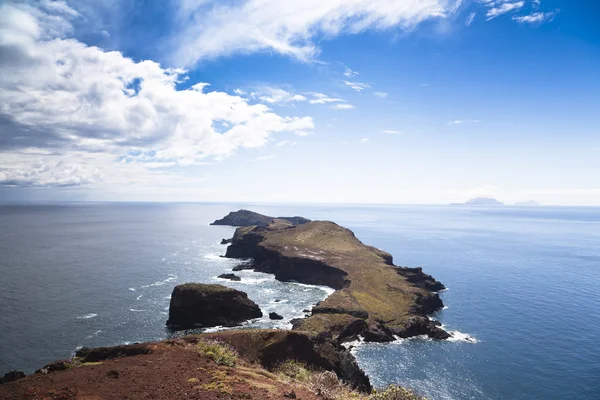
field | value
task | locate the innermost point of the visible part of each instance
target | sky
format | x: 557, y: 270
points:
x: 338, y: 101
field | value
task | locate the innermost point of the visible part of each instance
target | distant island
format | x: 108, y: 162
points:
x: 480, y: 201
x: 491, y: 202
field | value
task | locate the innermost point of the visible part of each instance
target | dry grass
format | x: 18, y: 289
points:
x: 394, y: 392
x: 221, y: 353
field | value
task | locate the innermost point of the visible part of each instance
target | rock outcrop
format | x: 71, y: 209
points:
x: 250, y: 218
x: 373, y: 297
x: 11, y: 377
x: 274, y: 315
x: 202, y: 305
x: 270, y: 348
x: 231, y: 277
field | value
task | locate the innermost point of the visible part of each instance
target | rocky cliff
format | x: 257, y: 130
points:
x: 196, y: 304
x: 373, y: 297
x: 250, y: 218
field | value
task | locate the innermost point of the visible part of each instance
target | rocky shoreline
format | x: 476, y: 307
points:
x: 373, y: 300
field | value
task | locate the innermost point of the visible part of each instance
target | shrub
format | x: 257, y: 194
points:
x: 327, y: 385
x: 219, y: 352
x: 394, y: 392
x: 295, y: 370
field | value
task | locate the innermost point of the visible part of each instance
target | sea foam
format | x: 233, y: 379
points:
x: 88, y: 316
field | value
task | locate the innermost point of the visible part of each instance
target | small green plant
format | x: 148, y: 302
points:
x: 295, y: 370
x: 219, y: 352
x: 394, y: 392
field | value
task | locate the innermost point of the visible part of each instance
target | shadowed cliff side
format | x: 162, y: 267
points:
x: 373, y: 298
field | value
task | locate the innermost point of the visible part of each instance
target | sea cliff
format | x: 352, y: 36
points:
x: 374, y: 298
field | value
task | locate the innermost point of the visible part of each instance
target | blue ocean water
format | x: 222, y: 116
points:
x: 522, y: 282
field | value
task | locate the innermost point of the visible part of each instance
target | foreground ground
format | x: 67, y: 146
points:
x: 171, y: 371
x: 257, y: 364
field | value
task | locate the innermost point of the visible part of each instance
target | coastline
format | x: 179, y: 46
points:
x: 313, y: 266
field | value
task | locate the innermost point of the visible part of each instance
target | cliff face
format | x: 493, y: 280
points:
x: 373, y: 297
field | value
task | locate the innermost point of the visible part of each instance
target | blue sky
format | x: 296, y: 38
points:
x: 381, y: 101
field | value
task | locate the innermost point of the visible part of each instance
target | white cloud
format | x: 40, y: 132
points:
x: 277, y: 95
x: 239, y: 92
x: 68, y: 103
x: 320, y: 98
x: 391, y: 132
x: 286, y: 143
x: 503, y: 8
x: 342, y: 106
x: 425, y: 85
x: 383, y: 95
x: 463, y: 121
x: 535, y: 18
x: 212, y: 28
x: 303, y: 133
x: 470, y: 19
x: 264, y: 158
x: 365, y: 140
x: 349, y: 73
x: 358, y: 86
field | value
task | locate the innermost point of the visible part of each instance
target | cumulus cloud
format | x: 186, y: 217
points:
x: 500, y: 8
x: 383, y: 95
x: 342, y: 106
x: 60, y: 98
x: 535, y: 18
x: 212, y: 28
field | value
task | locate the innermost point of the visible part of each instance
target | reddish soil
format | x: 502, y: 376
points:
x: 170, y: 371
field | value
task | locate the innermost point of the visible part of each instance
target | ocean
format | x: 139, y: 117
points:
x: 522, y: 287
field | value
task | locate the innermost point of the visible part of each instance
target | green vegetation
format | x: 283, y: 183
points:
x: 394, y: 392
x: 295, y: 370
x: 375, y: 288
x: 327, y: 385
x: 221, y: 353
x: 204, y: 288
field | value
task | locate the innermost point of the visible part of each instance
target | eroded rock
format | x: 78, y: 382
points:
x: 202, y: 305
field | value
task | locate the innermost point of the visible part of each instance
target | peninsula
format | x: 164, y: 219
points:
x: 374, y: 298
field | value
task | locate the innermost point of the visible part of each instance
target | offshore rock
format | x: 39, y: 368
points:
x: 202, y: 305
